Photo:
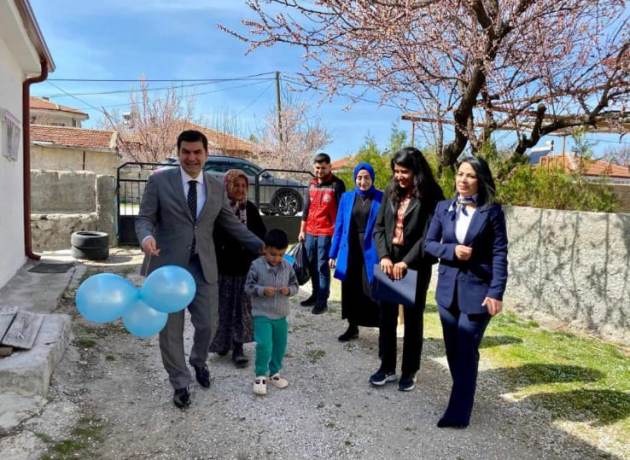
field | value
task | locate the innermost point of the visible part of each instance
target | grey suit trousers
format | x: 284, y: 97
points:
x: 204, y: 317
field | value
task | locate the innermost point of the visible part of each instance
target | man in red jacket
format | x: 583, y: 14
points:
x: 318, y: 226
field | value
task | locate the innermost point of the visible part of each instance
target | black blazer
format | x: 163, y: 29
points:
x: 416, y: 222
x: 232, y: 257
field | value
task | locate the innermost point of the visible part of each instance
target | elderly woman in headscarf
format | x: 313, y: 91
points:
x: 353, y: 253
x: 233, y: 261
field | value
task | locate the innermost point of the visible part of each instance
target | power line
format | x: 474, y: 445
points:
x: 264, y: 91
x: 129, y: 91
x: 128, y: 104
x: 163, y: 80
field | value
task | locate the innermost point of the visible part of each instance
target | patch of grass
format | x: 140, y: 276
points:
x: 315, y: 355
x: 87, y: 433
x: 577, y: 379
x: 85, y: 342
x: 110, y: 358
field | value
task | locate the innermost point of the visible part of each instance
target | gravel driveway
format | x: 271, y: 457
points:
x: 111, y: 396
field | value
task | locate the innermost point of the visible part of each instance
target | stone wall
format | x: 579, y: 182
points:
x: 64, y: 202
x: 572, y: 267
x: 59, y: 158
x: 63, y: 191
x: 51, y: 232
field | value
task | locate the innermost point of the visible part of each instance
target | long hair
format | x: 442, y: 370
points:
x: 486, y: 193
x: 425, y: 187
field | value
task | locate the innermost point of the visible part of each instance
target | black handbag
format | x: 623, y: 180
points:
x: 297, y: 255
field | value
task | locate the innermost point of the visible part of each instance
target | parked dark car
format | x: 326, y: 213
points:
x: 277, y: 195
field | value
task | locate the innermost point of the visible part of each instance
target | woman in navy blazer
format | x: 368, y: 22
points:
x: 469, y: 236
x: 352, y: 251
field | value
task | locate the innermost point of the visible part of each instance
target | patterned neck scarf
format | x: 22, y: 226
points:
x: 462, y: 201
x: 238, y: 206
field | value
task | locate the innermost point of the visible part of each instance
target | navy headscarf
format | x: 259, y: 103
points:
x: 369, y: 193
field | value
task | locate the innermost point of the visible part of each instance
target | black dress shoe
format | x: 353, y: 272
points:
x: 203, y: 376
x: 309, y: 302
x: 319, y: 309
x: 181, y: 398
x: 351, y: 333
x: 238, y: 357
x: 447, y: 423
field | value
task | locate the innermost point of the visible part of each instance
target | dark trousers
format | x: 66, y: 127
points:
x: 317, y: 250
x: 414, y: 326
x: 462, y: 336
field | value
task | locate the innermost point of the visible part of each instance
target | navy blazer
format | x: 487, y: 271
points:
x: 340, y: 245
x: 485, y: 273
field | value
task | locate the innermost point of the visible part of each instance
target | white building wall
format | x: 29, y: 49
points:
x: 11, y: 194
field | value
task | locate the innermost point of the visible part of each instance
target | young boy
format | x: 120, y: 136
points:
x: 270, y: 282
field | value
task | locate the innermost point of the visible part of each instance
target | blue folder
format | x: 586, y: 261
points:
x: 402, y: 291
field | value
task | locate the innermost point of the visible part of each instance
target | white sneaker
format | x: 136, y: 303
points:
x: 260, y: 385
x: 278, y: 381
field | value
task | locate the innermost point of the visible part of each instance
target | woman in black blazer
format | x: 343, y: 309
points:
x: 399, y: 231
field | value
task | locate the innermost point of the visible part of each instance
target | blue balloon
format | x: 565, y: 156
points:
x: 143, y: 321
x: 169, y: 289
x: 105, y: 297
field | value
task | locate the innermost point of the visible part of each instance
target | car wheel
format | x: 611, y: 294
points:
x: 286, y: 202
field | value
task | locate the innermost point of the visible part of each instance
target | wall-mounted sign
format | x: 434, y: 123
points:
x: 10, y: 135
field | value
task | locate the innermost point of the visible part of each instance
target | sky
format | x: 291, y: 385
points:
x: 179, y: 39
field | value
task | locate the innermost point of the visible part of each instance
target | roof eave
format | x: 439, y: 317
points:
x: 34, y: 32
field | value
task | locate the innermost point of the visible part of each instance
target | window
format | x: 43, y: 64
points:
x: 10, y: 135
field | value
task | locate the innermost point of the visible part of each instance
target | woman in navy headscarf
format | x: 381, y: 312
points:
x: 353, y: 254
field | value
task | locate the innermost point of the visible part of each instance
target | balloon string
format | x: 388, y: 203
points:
x: 146, y: 269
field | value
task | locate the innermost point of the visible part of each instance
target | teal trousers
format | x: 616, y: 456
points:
x: 271, y: 343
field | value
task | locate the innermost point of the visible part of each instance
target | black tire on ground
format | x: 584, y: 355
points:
x: 287, y: 202
x: 90, y: 245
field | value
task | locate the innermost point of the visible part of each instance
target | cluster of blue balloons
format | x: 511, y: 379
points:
x: 106, y: 297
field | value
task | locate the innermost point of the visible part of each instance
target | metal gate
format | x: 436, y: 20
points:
x: 279, y: 196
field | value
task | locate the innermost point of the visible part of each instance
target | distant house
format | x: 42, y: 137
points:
x: 616, y: 176
x: 44, y: 112
x: 342, y: 164
x: 63, y: 148
x: 590, y: 169
x: 24, y: 60
x: 218, y: 143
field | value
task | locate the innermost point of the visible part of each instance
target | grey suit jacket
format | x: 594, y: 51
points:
x: 165, y: 215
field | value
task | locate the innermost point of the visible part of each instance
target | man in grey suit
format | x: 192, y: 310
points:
x: 179, y: 210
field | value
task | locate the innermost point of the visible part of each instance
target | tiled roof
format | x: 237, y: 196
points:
x: 225, y: 141
x: 74, y: 137
x: 217, y: 140
x: 42, y: 104
x: 342, y: 163
x: 590, y: 167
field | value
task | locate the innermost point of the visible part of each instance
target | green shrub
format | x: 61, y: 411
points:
x: 552, y: 188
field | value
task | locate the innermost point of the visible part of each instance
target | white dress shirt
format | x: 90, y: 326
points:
x: 201, y: 189
x: 462, y: 222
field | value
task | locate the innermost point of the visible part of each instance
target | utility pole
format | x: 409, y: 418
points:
x: 279, y: 106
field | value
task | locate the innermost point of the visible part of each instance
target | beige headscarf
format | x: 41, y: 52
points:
x: 238, y: 206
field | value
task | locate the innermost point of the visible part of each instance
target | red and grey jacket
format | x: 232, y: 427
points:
x: 320, y: 208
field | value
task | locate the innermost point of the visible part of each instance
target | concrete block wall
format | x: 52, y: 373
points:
x: 572, y: 267
x: 64, y: 202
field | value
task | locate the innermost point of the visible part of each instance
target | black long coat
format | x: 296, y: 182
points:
x: 233, y: 258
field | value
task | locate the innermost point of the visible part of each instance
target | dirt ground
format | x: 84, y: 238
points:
x: 110, y: 399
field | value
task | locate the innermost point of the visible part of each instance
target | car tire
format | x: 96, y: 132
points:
x: 287, y: 202
x: 90, y: 245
